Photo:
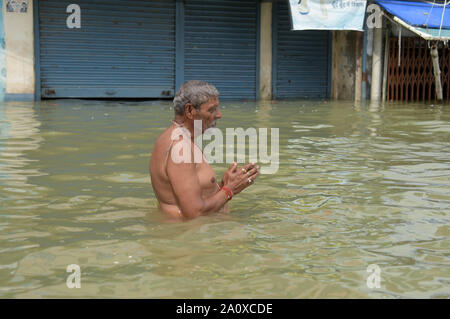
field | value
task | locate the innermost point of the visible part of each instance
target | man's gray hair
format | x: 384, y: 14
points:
x: 195, y: 92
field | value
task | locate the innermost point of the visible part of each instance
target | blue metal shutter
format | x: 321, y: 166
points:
x: 302, y: 59
x: 123, y: 49
x: 220, y: 45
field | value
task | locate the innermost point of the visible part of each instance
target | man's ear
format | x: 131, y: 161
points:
x: 189, y: 111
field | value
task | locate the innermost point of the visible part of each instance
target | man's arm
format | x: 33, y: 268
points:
x: 187, y: 189
x: 186, y: 186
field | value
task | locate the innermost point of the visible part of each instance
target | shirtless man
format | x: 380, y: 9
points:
x: 188, y: 189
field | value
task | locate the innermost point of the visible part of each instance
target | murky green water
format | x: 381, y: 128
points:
x: 356, y: 186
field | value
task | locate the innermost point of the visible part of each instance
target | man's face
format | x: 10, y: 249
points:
x: 209, y: 113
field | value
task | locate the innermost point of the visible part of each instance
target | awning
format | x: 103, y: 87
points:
x: 429, y: 20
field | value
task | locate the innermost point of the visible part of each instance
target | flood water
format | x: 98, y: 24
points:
x: 355, y: 186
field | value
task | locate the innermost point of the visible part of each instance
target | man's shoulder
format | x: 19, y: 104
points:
x: 168, y: 139
x: 163, y: 138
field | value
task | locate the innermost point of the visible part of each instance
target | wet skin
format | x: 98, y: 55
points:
x: 189, y: 189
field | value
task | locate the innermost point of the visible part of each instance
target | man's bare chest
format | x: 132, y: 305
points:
x: 207, y: 179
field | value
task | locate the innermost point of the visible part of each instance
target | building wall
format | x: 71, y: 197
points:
x: 2, y: 54
x: 343, y: 65
x: 19, y: 61
x: 265, y: 75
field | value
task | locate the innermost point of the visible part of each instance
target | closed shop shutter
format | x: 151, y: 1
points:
x: 220, y: 45
x: 123, y: 49
x: 302, y: 59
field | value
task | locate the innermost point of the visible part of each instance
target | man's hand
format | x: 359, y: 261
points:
x: 237, y: 179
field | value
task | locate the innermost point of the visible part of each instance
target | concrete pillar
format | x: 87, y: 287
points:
x: 387, y: 38
x: 436, y: 71
x: 358, y: 68
x: 375, y: 91
x: 265, y: 68
x: 19, y: 42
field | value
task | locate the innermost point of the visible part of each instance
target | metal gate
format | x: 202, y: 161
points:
x: 123, y: 49
x: 412, y: 79
x: 220, y: 45
x: 301, y: 59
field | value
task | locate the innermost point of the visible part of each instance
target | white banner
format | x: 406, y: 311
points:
x: 327, y: 14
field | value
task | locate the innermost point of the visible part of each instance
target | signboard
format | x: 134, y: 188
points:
x: 327, y: 14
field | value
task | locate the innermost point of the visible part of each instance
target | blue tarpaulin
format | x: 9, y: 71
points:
x: 419, y: 14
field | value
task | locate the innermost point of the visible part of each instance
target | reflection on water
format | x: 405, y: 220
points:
x: 357, y: 185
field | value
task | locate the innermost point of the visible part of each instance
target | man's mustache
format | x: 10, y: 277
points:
x: 203, y: 128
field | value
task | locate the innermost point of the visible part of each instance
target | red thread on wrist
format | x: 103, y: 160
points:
x: 228, y: 192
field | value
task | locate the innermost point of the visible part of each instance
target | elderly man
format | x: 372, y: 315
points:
x: 189, y: 188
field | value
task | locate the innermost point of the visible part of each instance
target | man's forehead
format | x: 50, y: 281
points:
x: 211, y: 102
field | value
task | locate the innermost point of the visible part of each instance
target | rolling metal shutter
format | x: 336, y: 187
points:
x: 220, y: 45
x: 123, y: 49
x: 302, y: 59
